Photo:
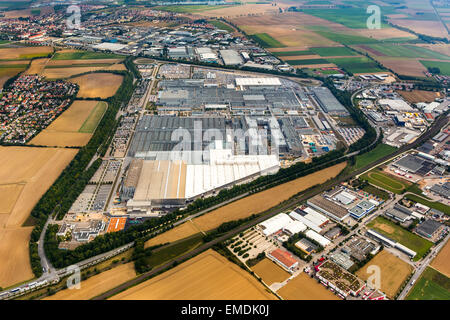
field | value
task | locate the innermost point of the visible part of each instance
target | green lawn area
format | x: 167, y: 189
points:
x: 380, y: 151
x: 407, y: 51
x: 306, y: 62
x: 266, y: 41
x: 356, y: 64
x: 435, y: 205
x: 347, y: 39
x: 333, y: 51
x: 80, y: 55
x: 90, y: 124
x: 171, y: 252
x: 443, y: 66
x: 221, y: 25
x: 4, y: 41
x: 432, y: 285
x: 355, y: 18
x: 376, y: 192
x: 388, y: 182
x: 403, y: 236
x: 292, y: 53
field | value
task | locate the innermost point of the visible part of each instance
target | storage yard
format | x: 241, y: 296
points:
x: 207, y: 276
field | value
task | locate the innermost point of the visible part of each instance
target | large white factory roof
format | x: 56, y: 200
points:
x: 258, y: 82
x: 308, y: 223
x: 315, y: 217
x: 294, y: 227
x: 396, y: 104
x: 317, y: 237
x: 275, y: 223
x: 109, y: 46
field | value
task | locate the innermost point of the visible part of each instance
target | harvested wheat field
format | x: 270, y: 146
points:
x: 303, y: 287
x: 408, y: 67
x: 247, y: 206
x: 442, y: 261
x: 443, y: 48
x: 37, y: 66
x: 270, y: 272
x: 24, y: 53
x: 14, y: 255
x: 208, y: 276
x: 26, y: 173
x: 35, y: 169
x: 61, y: 73
x: 416, y: 96
x: 68, y: 63
x: 61, y: 139
x: 66, y: 130
x: 394, y: 272
x: 6, y: 73
x: 428, y: 27
x: 98, y: 85
x: 98, y: 284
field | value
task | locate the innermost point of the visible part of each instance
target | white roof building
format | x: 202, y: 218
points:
x: 315, y: 217
x: 275, y: 224
x: 308, y: 223
x: 294, y: 227
x: 311, y: 234
x: 258, y: 82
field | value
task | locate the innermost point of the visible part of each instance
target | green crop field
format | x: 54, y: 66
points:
x: 376, y: 192
x: 388, y: 182
x: 435, y: 205
x: 333, y: 51
x: 189, y: 8
x: 380, y: 151
x: 306, y: 62
x: 221, y: 25
x: 90, y: 124
x: 266, y: 41
x: 403, y: 236
x: 443, y: 66
x: 407, y: 51
x: 432, y: 285
x: 355, y: 18
x: 81, y: 55
x: 292, y: 53
x: 347, y: 39
x: 356, y: 64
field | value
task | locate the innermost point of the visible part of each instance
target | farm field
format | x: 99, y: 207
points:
x: 356, y: 64
x: 431, y: 28
x: 24, y: 53
x: 386, y: 181
x: 416, y: 96
x: 355, y: 18
x: 380, y: 151
x: 432, y: 285
x: 266, y: 41
x: 247, y: 206
x: 432, y: 204
x: 98, y: 85
x: 403, y: 236
x: 305, y: 62
x: 270, y: 272
x: 98, y: 284
x: 333, y: 51
x: 346, y: 39
x: 206, y: 276
x: 303, y: 287
x: 37, y: 66
x: 441, y: 262
x: 444, y: 67
x: 26, y: 174
x: 9, y: 71
x: 408, y: 67
x: 393, y: 270
x: 240, y: 10
x: 403, y: 51
x: 83, y: 55
x: 62, y: 73
x: 74, y: 127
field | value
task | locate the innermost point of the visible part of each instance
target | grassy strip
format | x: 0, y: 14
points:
x: 90, y: 124
x: 435, y: 205
x: 307, y: 62
x: 406, y: 238
x: 432, y: 285
x: 266, y: 41
x: 292, y: 53
x: 81, y: 55
x: 380, y: 151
